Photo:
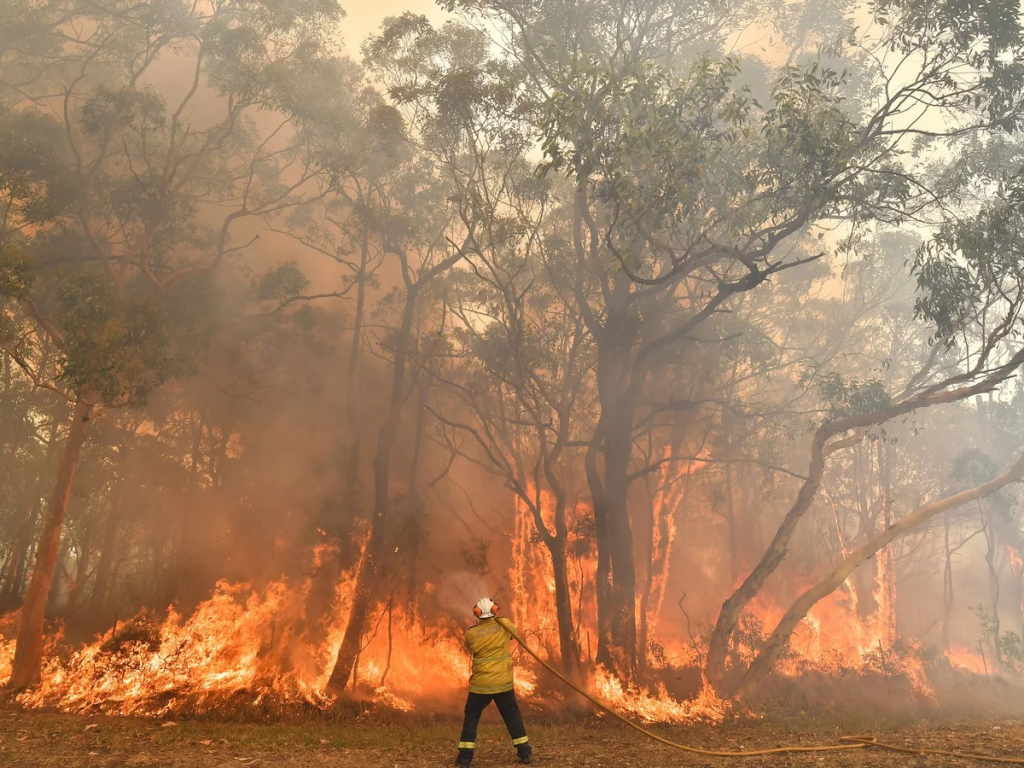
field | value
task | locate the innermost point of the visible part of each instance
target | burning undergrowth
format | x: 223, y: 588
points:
x: 8, y: 628
x: 240, y: 649
x: 243, y: 653
x: 263, y: 653
x: 238, y: 653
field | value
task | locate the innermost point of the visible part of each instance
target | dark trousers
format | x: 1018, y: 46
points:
x: 509, y: 710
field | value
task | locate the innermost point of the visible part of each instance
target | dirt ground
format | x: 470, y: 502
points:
x: 31, y: 739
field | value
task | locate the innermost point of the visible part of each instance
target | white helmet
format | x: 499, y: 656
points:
x: 485, y: 608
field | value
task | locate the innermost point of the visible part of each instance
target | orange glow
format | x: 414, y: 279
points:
x: 234, y: 647
x: 659, y: 707
x: 532, y: 580
x: 8, y: 630
x: 250, y: 647
x: 965, y: 658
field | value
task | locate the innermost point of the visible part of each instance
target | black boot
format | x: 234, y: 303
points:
x: 525, y: 752
x: 465, y: 758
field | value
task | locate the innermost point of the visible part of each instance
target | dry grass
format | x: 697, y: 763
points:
x: 65, y: 741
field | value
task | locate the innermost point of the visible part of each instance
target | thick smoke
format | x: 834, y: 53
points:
x: 360, y: 340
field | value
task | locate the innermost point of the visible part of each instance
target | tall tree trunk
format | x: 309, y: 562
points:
x: 60, y: 574
x: 886, y: 575
x: 14, y: 584
x: 991, y: 550
x: 8, y: 559
x: 643, y: 641
x: 616, y: 583
x: 947, y: 584
x: 21, y: 541
x: 779, y: 639
x: 568, y: 643
x: 414, y: 522
x: 98, y: 600
x: 10, y: 591
x: 327, y: 564
x: 28, y: 652
x: 7, y: 577
x: 77, y: 588
x: 8, y: 419
x: 619, y: 383
x: 568, y: 646
x: 373, y: 555
x: 353, y: 404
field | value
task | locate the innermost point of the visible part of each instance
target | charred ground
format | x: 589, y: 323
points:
x: 42, y: 740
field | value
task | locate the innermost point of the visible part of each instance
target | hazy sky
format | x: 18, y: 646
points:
x: 365, y: 16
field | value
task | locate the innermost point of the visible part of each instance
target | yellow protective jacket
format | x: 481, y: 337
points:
x: 492, y: 658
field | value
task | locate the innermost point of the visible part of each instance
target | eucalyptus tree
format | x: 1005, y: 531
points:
x: 517, y: 358
x: 521, y: 387
x: 421, y: 229
x: 118, y: 210
x: 689, y: 192
x: 972, y: 294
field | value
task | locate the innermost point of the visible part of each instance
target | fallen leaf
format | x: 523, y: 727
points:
x: 323, y: 741
x: 206, y: 742
x: 90, y: 726
x: 169, y: 724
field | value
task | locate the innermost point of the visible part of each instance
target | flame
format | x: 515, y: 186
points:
x: 254, y: 647
x: 250, y: 647
x: 235, y: 647
x: 532, y: 580
x: 8, y: 631
x: 659, y: 707
x: 966, y: 659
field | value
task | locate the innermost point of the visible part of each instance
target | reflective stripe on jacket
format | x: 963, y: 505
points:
x: 492, y: 659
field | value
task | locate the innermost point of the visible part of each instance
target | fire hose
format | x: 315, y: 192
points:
x: 846, y: 742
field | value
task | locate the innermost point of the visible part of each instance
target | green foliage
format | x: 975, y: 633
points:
x: 261, y: 50
x: 950, y: 295
x: 986, y: 34
x: 118, y: 347
x: 1006, y: 647
x: 972, y: 467
x: 845, y: 398
x: 36, y: 184
x: 974, y: 264
x: 123, y: 109
x: 117, y: 209
x: 15, y: 276
x: 283, y: 282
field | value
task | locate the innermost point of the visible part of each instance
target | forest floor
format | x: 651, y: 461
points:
x: 45, y: 740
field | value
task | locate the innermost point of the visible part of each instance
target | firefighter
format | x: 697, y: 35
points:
x: 491, y: 681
